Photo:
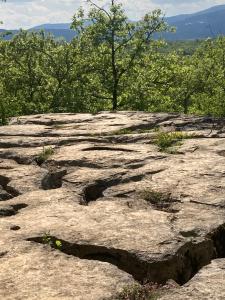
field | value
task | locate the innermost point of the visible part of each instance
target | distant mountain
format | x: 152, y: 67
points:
x: 67, y: 34
x: 200, y: 25
x: 8, y: 34
x: 52, y: 26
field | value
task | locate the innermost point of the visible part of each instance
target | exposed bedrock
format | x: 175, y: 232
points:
x: 106, y: 208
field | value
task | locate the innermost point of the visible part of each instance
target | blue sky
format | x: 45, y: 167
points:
x: 28, y: 13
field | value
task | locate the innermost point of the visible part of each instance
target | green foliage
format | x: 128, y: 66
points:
x: 113, y: 47
x: 184, y: 47
x: 44, y: 155
x: 111, y: 64
x: 165, y: 140
x: 149, y: 291
x: 58, y: 244
x: 47, y: 239
x: 154, y: 197
x: 209, y: 61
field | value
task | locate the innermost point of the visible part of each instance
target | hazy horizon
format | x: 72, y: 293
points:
x: 29, y: 13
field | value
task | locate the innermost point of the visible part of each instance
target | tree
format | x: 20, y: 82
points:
x: 112, y: 45
x: 209, y: 63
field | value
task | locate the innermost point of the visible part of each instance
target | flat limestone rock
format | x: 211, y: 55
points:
x: 24, y: 156
x: 22, y: 179
x: 37, y: 272
x: 21, y: 130
x: 104, y: 156
x: 89, y: 205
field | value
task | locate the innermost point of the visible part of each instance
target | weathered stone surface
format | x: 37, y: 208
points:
x: 4, y: 195
x: 36, y: 272
x: 208, y: 284
x: 22, y: 179
x: 22, y: 155
x: 21, y: 130
x: 122, y: 210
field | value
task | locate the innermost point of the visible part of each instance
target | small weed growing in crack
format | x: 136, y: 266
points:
x: 122, y: 131
x: 131, y: 131
x: 47, y: 239
x: 160, y: 201
x: 58, y: 244
x: 165, y: 140
x: 44, y: 155
x: 150, y: 291
x: 154, y: 197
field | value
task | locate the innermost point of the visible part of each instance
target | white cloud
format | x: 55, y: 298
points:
x: 28, y: 13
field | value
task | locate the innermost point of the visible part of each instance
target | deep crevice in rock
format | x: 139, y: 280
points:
x: 4, y: 195
x: 15, y: 227
x: 135, y: 166
x: 4, y: 181
x: 19, y: 206
x: 17, y: 158
x: 7, y: 211
x: 94, y: 191
x: 180, y: 266
x: 221, y: 153
x: 74, y: 163
x: 11, y: 210
x: 9, y: 192
x: 99, y: 148
x: 153, y: 124
x: 53, y: 180
x: 2, y: 254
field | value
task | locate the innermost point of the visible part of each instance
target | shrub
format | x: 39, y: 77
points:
x: 165, y: 140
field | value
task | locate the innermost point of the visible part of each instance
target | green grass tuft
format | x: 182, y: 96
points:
x: 149, y: 291
x: 44, y: 155
x: 166, y: 140
x: 154, y: 197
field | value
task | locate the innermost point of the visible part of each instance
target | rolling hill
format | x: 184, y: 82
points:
x: 200, y: 25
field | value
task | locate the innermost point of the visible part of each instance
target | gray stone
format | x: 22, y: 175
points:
x: 107, y: 208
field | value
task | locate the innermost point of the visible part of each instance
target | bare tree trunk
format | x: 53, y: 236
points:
x: 115, y: 95
x: 114, y: 69
x: 186, y: 105
x: 3, y: 118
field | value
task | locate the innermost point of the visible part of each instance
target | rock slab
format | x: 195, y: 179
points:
x: 89, y: 204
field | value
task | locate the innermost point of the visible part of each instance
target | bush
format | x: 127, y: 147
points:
x: 165, y: 140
